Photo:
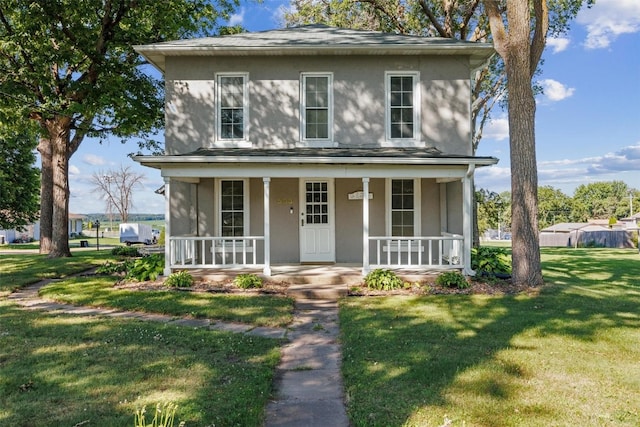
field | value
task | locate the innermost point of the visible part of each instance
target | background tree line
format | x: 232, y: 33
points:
x: 597, y: 200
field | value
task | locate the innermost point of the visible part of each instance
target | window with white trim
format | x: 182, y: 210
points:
x: 232, y: 106
x: 316, y: 106
x: 402, y: 106
x: 233, y: 207
x: 403, y: 204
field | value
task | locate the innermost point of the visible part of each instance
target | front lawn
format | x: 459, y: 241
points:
x: 22, y: 269
x: 98, y: 291
x: 61, y: 370
x: 567, y: 356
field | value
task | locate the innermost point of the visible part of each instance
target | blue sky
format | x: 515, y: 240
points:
x: 587, y: 123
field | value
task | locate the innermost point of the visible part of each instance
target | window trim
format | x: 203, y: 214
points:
x: 232, y: 142
x: 417, y: 136
x: 245, y: 202
x: 316, y: 142
x: 417, y: 205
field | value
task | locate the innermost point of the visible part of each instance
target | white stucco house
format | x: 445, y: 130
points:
x: 318, y: 145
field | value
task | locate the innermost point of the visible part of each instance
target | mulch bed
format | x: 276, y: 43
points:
x: 427, y: 287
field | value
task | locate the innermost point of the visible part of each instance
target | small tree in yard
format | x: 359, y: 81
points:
x: 116, y: 186
x: 19, y: 178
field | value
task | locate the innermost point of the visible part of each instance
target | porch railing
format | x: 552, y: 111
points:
x: 441, y: 252
x: 206, y: 252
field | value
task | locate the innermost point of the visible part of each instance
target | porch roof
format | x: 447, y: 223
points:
x: 316, y: 156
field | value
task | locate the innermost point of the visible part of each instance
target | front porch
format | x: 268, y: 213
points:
x: 406, y: 208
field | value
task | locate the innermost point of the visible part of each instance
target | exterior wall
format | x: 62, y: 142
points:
x: 348, y: 222
x: 285, y: 230
x: 359, y: 99
x: 430, y: 208
x: 206, y: 208
x: 183, y: 209
x: 454, y: 207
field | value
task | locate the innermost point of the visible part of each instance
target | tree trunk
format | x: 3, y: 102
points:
x: 46, y: 196
x: 526, y: 267
x: 59, y: 137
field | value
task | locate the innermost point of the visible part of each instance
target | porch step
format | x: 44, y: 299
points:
x: 307, y: 291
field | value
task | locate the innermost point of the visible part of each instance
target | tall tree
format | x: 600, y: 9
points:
x: 602, y: 200
x: 116, y: 186
x: 70, y: 66
x: 553, y: 206
x: 19, y: 178
x: 519, y: 37
x: 491, y: 209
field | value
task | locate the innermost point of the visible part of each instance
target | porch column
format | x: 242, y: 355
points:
x: 365, y: 226
x: 467, y: 219
x: 267, y: 229
x: 167, y: 226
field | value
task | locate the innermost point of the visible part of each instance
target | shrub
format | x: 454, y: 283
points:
x: 383, y: 280
x: 491, y: 260
x: 126, y: 251
x: 452, y: 279
x: 247, y: 281
x: 146, y: 268
x: 181, y: 279
x: 110, y: 267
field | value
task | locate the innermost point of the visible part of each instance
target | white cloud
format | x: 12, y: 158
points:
x: 608, y: 19
x: 497, y: 129
x: 237, y: 18
x: 555, y: 91
x: 73, y: 170
x: 558, y: 44
x: 93, y: 160
x: 567, y: 174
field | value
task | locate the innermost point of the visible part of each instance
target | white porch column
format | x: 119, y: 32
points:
x: 167, y: 226
x: 467, y: 219
x: 365, y: 226
x: 267, y: 229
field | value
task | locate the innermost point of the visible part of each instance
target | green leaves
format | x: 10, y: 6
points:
x: 19, y: 178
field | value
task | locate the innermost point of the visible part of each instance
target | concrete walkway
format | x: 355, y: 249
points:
x: 308, y: 386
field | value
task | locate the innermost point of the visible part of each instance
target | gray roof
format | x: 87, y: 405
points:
x: 316, y: 40
x: 350, y: 155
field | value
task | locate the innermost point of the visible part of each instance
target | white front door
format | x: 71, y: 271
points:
x: 317, y: 221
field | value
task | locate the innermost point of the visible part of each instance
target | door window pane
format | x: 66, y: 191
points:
x: 317, y: 205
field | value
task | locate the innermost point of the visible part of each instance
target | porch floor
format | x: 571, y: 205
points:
x: 310, y: 274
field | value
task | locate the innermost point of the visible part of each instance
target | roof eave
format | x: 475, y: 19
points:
x: 479, y: 53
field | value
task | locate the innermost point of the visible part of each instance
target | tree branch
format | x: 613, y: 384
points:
x: 432, y: 18
x: 541, y: 15
x: 497, y: 26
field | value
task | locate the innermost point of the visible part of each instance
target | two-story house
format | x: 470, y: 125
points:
x: 318, y: 145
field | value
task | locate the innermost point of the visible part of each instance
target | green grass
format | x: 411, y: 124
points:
x: 568, y: 356
x: 19, y: 270
x: 60, y: 370
x: 98, y: 291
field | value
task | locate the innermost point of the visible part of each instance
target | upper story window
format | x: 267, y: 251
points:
x: 402, y: 106
x: 317, y: 106
x: 232, y: 106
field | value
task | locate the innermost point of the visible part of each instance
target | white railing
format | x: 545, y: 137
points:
x: 440, y: 252
x: 206, y: 252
